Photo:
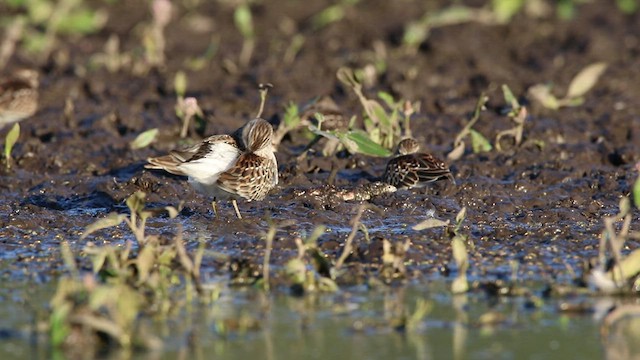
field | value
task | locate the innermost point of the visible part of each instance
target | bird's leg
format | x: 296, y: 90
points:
x: 235, y: 206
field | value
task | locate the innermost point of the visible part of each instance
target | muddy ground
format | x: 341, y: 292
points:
x: 540, y: 203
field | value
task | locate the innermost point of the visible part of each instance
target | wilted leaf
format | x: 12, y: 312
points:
x: 457, y: 152
x: 462, y: 214
x: 113, y: 219
x: 136, y: 202
x: 144, y: 139
x: 145, y: 262
x: 636, y: 192
x: 542, y: 94
x: 430, y: 223
x: 479, y: 143
x: 585, y: 80
x: 10, y: 140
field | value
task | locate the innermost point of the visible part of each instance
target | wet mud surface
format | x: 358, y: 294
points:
x: 540, y: 204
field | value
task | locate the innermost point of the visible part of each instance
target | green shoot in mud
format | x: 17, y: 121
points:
x: 144, y: 139
x: 153, y: 39
x: 460, y: 256
x: 125, y: 284
x: 624, y: 276
x: 518, y: 114
x: 478, y: 142
x: 187, y: 109
x: 579, y: 86
x: 244, y: 23
x: 9, y: 142
x: 46, y: 20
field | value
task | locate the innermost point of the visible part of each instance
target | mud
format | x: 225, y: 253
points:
x: 540, y: 204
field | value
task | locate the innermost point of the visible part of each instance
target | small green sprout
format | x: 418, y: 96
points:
x: 9, y: 141
x: 460, y: 256
x: 244, y: 23
x: 144, y: 139
x: 517, y: 113
x: 478, y: 142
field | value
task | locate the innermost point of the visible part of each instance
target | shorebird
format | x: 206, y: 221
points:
x: 410, y: 169
x: 18, y: 96
x: 240, y: 165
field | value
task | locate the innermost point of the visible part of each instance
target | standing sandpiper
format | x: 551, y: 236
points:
x: 410, y: 169
x: 240, y: 165
x: 18, y: 96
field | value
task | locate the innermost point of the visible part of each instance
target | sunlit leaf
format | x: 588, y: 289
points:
x: 328, y: 16
x: 144, y: 139
x: 10, y: 140
x: 82, y: 21
x: 180, y: 83
x: 363, y: 144
x: 244, y: 21
x: 145, y: 262
x: 113, y: 219
x: 430, y: 223
x: 479, y: 143
x: 136, y: 202
x: 585, y: 80
x: 509, y: 98
x: 504, y: 10
x: 387, y: 98
x: 542, y: 94
x: 291, y: 115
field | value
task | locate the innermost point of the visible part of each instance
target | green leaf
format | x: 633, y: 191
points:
x: 509, y: 98
x: 585, y: 80
x: 328, y: 15
x: 113, y: 219
x: 363, y: 144
x: 144, y: 139
x: 83, y: 21
x: 10, y: 140
x: 627, y: 6
x: 244, y: 21
x: 180, y: 83
x: 504, y: 10
x: 479, y: 143
x: 291, y: 115
x: 387, y: 98
x: 136, y: 202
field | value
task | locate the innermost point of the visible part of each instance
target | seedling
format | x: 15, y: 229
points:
x: 584, y: 81
x: 144, y: 139
x: 46, y: 20
x: 517, y: 113
x: 153, y: 38
x: 478, y: 142
x: 9, y: 141
x: 244, y: 23
x: 460, y: 256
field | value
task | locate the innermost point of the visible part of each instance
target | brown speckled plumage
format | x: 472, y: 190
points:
x: 18, y: 96
x: 412, y: 169
x: 241, y: 165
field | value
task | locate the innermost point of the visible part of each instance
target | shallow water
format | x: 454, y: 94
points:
x: 354, y: 323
